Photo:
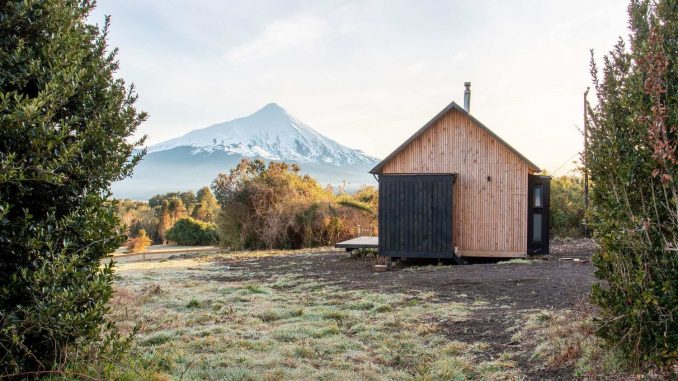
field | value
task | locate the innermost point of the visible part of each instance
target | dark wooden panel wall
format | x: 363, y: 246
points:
x: 415, y: 216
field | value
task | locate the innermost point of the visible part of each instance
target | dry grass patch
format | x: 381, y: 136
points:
x: 567, y: 339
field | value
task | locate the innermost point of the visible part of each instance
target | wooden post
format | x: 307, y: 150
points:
x: 586, y: 169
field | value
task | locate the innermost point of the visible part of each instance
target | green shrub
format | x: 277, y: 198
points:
x: 193, y: 303
x: 632, y: 160
x: 188, y: 231
x: 66, y: 119
x: 567, y: 206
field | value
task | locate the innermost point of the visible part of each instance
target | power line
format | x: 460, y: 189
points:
x: 567, y: 161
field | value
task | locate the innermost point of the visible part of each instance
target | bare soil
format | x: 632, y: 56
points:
x: 510, y: 290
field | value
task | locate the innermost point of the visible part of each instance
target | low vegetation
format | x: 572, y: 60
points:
x: 259, y: 206
x: 190, y: 232
x: 567, y: 340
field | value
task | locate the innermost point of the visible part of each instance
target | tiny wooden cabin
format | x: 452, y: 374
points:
x: 456, y: 188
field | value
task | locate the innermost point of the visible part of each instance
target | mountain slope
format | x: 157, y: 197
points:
x: 194, y: 159
x: 270, y: 133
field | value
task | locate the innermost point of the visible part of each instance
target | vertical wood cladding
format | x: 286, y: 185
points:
x: 490, y: 191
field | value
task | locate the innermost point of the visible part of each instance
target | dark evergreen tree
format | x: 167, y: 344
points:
x: 64, y: 124
x: 632, y: 160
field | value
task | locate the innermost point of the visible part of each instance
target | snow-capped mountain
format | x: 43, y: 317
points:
x: 194, y: 159
x: 270, y: 133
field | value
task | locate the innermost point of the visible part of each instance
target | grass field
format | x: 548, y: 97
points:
x: 241, y: 317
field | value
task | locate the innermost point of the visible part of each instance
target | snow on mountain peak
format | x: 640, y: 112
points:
x: 270, y: 133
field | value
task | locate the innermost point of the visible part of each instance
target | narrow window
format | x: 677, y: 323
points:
x: 537, y: 196
x: 536, y: 227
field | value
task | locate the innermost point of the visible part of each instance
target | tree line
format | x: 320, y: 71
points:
x: 254, y: 206
x: 156, y: 218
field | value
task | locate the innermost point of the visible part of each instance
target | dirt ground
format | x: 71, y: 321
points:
x: 509, y: 289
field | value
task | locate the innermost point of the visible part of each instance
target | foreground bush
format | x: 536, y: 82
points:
x: 65, y: 124
x: 633, y: 164
x: 190, y: 232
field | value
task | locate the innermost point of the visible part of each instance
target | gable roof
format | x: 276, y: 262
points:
x: 450, y: 107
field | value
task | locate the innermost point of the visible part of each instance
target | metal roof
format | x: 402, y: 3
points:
x: 450, y: 107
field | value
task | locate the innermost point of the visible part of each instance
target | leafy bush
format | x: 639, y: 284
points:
x: 188, y: 231
x: 275, y: 207
x: 65, y: 123
x: 567, y: 206
x: 633, y: 144
x: 139, y: 243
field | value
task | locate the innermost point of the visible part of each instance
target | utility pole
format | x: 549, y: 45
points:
x: 586, y: 169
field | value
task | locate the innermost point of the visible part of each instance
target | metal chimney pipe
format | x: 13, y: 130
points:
x: 467, y: 97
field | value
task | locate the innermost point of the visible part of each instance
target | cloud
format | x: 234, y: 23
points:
x: 280, y: 36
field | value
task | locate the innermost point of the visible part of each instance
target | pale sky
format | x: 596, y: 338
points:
x: 367, y: 73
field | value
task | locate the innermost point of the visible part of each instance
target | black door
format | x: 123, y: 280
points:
x: 538, y: 200
x: 415, y: 216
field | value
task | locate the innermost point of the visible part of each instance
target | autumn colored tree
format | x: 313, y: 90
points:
x: 206, y: 207
x: 164, y: 221
x: 176, y: 209
x: 275, y: 206
x: 139, y: 243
